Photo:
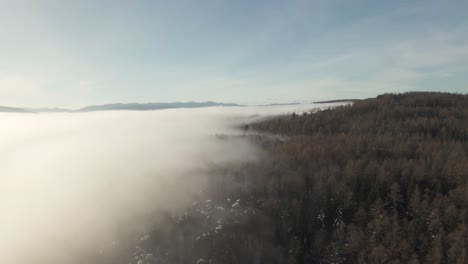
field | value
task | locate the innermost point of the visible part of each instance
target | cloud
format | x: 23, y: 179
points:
x: 71, y: 179
x: 70, y: 184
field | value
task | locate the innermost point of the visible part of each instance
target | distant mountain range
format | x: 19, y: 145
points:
x: 5, y: 109
x: 280, y: 104
x: 338, y: 101
x: 119, y: 106
x: 151, y: 106
x: 144, y: 107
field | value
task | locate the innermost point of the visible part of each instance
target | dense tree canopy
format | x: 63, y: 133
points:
x: 384, y: 180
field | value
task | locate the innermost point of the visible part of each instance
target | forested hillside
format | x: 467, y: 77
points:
x: 383, y: 180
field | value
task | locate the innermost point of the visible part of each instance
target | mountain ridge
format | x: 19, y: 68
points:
x: 6, y: 109
x: 118, y: 106
x: 152, y: 106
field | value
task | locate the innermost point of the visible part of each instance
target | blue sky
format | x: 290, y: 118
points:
x: 73, y: 53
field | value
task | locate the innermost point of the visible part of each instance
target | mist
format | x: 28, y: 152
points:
x: 72, y: 183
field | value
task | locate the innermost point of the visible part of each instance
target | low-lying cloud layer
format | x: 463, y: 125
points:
x: 69, y: 183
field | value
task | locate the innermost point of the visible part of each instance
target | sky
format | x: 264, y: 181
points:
x: 73, y: 53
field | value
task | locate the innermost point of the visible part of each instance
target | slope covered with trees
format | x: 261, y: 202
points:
x: 387, y: 178
x: 384, y: 180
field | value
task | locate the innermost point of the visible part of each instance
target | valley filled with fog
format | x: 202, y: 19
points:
x: 71, y: 184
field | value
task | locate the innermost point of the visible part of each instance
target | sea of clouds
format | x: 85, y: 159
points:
x: 71, y: 182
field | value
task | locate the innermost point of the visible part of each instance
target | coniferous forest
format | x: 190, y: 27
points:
x: 382, y: 180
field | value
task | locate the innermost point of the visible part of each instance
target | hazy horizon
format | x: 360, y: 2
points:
x: 312, y: 103
x: 69, y: 54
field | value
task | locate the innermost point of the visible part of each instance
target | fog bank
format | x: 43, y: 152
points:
x: 70, y: 183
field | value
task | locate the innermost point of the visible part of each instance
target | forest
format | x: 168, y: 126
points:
x: 381, y: 180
